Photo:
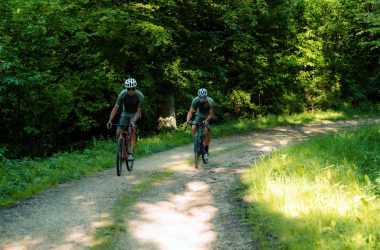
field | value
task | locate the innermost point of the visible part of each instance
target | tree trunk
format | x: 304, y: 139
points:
x: 165, y: 110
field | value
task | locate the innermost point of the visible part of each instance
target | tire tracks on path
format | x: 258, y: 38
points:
x: 193, y: 209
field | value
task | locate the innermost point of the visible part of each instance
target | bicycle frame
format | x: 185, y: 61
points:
x: 123, y: 142
x: 199, y: 144
x: 198, y: 137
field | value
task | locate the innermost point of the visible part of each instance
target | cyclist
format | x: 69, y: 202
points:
x: 131, y: 99
x: 203, y: 105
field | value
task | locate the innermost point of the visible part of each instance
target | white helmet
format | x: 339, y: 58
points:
x: 130, y: 83
x: 202, y: 92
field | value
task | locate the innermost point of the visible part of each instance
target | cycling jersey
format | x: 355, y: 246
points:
x: 202, y: 108
x: 130, y: 103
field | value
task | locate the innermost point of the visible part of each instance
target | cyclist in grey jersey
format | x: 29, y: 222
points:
x: 203, y: 105
x: 131, y: 99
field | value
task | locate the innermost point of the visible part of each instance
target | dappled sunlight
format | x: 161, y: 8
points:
x: 295, y: 200
x: 83, y: 201
x: 182, y: 166
x: 67, y: 246
x: 313, y: 196
x: 26, y: 243
x: 125, y: 175
x: 104, y: 222
x: 220, y: 170
x: 264, y: 148
x: 283, y: 142
x: 176, y: 156
x: 78, y: 235
x: 281, y: 129
x: 184, y: 221
x: 163, y: 160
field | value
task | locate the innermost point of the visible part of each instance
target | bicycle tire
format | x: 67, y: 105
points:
x: 119, y: 157
x: 203, y: 152
x: 197, y: 152
x: 130, y: 164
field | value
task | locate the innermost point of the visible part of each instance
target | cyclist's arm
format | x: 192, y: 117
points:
x: 211, y: 112
x: 112, y: 115
x: 210, y: 115
x: 137, y: 115
x: 138, y: 111
x: 189, y: 114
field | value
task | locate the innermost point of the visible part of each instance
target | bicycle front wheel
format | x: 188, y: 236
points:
x: 197, y: 150
x: 119, y: 156
x: 130, y: 164
x: 203, y: 152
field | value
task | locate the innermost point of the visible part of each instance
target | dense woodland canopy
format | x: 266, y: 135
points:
x: 63, y: 63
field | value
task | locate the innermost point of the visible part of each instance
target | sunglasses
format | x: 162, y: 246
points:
x: 131, y: 89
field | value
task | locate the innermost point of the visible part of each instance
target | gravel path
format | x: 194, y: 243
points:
x: 193, y: 209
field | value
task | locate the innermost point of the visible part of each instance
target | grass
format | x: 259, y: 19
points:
x: 320, y: 194
x: 24, y: 178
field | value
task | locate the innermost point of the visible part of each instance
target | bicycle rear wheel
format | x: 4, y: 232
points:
x: 119, y: 156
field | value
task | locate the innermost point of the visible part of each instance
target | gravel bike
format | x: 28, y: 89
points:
x: 199, y: 144
x: 123, y: 144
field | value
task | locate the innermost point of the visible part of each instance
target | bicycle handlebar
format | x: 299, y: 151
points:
x: 199, y: 124
x: 123, y: 126
x: 120, y: 124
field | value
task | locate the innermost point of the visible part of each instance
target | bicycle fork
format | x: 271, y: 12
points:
x: 122, y: 150
x: 198, y: 144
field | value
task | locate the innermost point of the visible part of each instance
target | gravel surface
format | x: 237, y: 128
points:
x: 193, y: 209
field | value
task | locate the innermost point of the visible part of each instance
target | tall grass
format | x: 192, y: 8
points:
x: 23, y: 178
x: 321, y: 194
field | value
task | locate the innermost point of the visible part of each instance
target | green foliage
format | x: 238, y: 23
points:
x: 63, y: 63
x: 240, y: 101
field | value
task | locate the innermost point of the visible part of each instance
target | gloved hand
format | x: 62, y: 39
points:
x: 109, y: 124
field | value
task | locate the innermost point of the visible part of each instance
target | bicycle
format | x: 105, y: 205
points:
x: 199, y: 144
x: 123, y: 143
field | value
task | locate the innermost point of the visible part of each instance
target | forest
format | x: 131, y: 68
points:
x: 63, y: 63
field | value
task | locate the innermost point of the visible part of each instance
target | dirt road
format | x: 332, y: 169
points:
x: 193, y: 209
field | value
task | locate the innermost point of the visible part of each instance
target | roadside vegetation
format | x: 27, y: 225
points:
x: 24, y: 178
x: 63, y: 63
x: 318, y: 194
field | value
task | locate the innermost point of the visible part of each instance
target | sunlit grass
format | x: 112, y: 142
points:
x: 321, y: 194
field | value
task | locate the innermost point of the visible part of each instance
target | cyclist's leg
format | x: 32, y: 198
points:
x: 197, y: 120
x: 207, y: 138
x: 118, y: 130
x: 122, y: 120
x: 132, y: 137
x: 207, y: 133
x: 131, y: 148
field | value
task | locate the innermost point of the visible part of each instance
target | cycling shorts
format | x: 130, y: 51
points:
x: 199, y: 118
x: 126, y: 118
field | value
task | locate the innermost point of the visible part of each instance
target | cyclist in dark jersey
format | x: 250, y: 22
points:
x: 203, y: 105
x: 131, y: 99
